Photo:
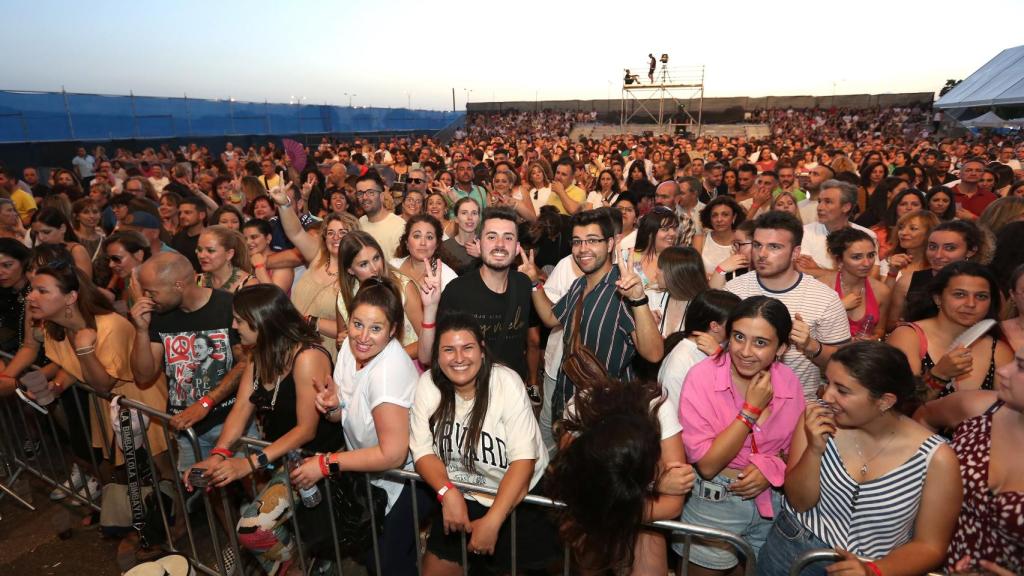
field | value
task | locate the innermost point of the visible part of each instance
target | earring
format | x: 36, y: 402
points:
x: 67, y: 312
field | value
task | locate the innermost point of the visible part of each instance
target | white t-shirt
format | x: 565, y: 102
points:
x: 713, y: 253
x: 674, y: 368
x: 808, y: 210
x: 389, y: 378
x: 387, y: 232
x: 556, y: 286
x: 510, y: 432
x: 628, y: 241
x: 539, y: 197
x: 815, y: 243
x: 820, y: 308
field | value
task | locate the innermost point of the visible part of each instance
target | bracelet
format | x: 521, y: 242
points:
x: 332, y: 410
x: 222, y: 452
x: 752, y: 409
x: 444, y: 490
x: 427, y: 325
x: 746, y: 422
x: 936, y: 383
x: 874, y: 568
x: 639, y: 302
x: 821, y: 348
x: 84, y: 351
x: 260, y: 265
x: 206, y: 402
x: 538, y: 285
x: 324, y: 469
x: 720, y: 270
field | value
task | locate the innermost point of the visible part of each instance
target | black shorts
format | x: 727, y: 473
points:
x: 536, y: 540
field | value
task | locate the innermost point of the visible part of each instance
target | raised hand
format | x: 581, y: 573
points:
x: 800, y: 335
x: 629, y: 284
x: 819, y: 424
x: 956, y: 362
x: 529, y: 267
x: 279, y: 194
x: 430, y: 287
x: 473, y: 247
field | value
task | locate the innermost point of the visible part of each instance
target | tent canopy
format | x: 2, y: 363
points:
x: 1000, y: 82
x: 987, y: 120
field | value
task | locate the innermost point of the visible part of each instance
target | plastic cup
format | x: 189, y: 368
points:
x: 37, y: 383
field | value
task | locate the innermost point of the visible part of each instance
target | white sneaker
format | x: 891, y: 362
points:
x: 77, y: 480
x: 90, y: 492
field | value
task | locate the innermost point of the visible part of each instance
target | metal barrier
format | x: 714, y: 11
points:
x: 34, y: 443
x: 824, y: 555
x: 49, y: 462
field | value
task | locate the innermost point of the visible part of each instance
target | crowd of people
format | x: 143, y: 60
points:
x: 814, y: 340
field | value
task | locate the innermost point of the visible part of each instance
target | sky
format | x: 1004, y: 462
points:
x: 401, y: 53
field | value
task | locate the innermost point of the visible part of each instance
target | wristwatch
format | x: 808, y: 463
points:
x: 333, y: 467
x: 639, y: 302
x: 263, y: 461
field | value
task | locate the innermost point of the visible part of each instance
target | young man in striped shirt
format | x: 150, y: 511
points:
x: 820, y: 324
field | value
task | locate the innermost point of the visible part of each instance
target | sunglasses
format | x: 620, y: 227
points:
x: 416, y: 180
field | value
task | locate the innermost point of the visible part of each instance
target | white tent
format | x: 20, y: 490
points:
x: 1000, y: 82
x: 986, y: 120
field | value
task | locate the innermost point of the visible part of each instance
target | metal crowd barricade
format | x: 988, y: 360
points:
x: 672, y: 529
x: 823, y: 555
x: 32, y: 443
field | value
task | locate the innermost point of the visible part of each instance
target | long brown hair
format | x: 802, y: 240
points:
x: 91, y: 303
x: 279, y: 329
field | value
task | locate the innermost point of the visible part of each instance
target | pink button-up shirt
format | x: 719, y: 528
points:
x: 709, y: 404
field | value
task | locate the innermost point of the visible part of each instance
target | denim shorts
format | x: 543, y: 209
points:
x: 787, y: 540
x: 732, y: 514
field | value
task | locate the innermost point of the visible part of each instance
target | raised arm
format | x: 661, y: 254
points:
x: 306, y: 243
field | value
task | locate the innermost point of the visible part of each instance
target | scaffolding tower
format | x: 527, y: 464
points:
x: 668, y: 100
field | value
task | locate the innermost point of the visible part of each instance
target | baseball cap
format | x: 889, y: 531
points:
x: 144, y: 220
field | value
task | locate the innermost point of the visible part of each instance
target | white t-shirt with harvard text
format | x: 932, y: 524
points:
x: 509, y: 432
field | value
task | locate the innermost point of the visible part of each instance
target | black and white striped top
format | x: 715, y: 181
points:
x: 870, y: 519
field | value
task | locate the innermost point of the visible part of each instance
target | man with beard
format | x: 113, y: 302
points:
x: 820, y: 324
x: 385, y: 227
x: 616, y: 323
x: 498, y: 296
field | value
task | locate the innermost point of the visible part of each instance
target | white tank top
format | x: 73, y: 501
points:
x: 713, y: 253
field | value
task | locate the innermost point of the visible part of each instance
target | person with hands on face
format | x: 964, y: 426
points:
x: 375, y: 381
x: 473, y: 423
x: 258, y: 234
x: 618, y: 324
x: 278, y: 388
x: 862, y: 478
x: 461, y: 252
x: 738, y: 410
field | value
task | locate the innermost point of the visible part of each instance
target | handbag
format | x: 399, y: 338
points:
x: 580, y: 364
x: 351, y: 506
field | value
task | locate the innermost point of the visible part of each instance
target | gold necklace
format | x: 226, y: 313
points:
x: 864, y: 467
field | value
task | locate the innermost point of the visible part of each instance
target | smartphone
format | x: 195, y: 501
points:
x: 196, y: 478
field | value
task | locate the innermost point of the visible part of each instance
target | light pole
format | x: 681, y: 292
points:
x: 467, y: 91
x: 408, y: 100
x: 350, y: 96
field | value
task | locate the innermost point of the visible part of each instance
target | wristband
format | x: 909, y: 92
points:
x: 538, y: 285
x: 444, y: 490
x: 222, y: 452
x: 752, y: 409
x: 427, y: 325
x: 260, y: 265
x: 639, y: 302
x: 206, y: 402
x: 745, y: 421
x: 892, y: 273
x: 720, y: 270
x: 324, y: 469
x: 874, y: 568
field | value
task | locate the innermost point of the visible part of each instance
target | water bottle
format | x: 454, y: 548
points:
x: 310, y: 496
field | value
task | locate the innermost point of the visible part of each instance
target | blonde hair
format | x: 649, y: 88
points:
x: 796, y: 204
x: 231, y: 240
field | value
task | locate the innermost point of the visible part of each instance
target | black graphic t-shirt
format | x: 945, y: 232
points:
x: 197, y: 354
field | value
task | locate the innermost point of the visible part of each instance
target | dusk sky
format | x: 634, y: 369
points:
x: 394, y: 53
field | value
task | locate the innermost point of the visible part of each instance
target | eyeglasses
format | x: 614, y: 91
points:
x: 738, y: 245
x: 577, y: 242
x: 367, y: 192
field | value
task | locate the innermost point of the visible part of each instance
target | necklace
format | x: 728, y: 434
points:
x: 327, y: 268
x: 208, y: 279
x: 864, y: 467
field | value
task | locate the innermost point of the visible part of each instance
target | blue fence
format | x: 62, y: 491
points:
x: 62, y: 116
